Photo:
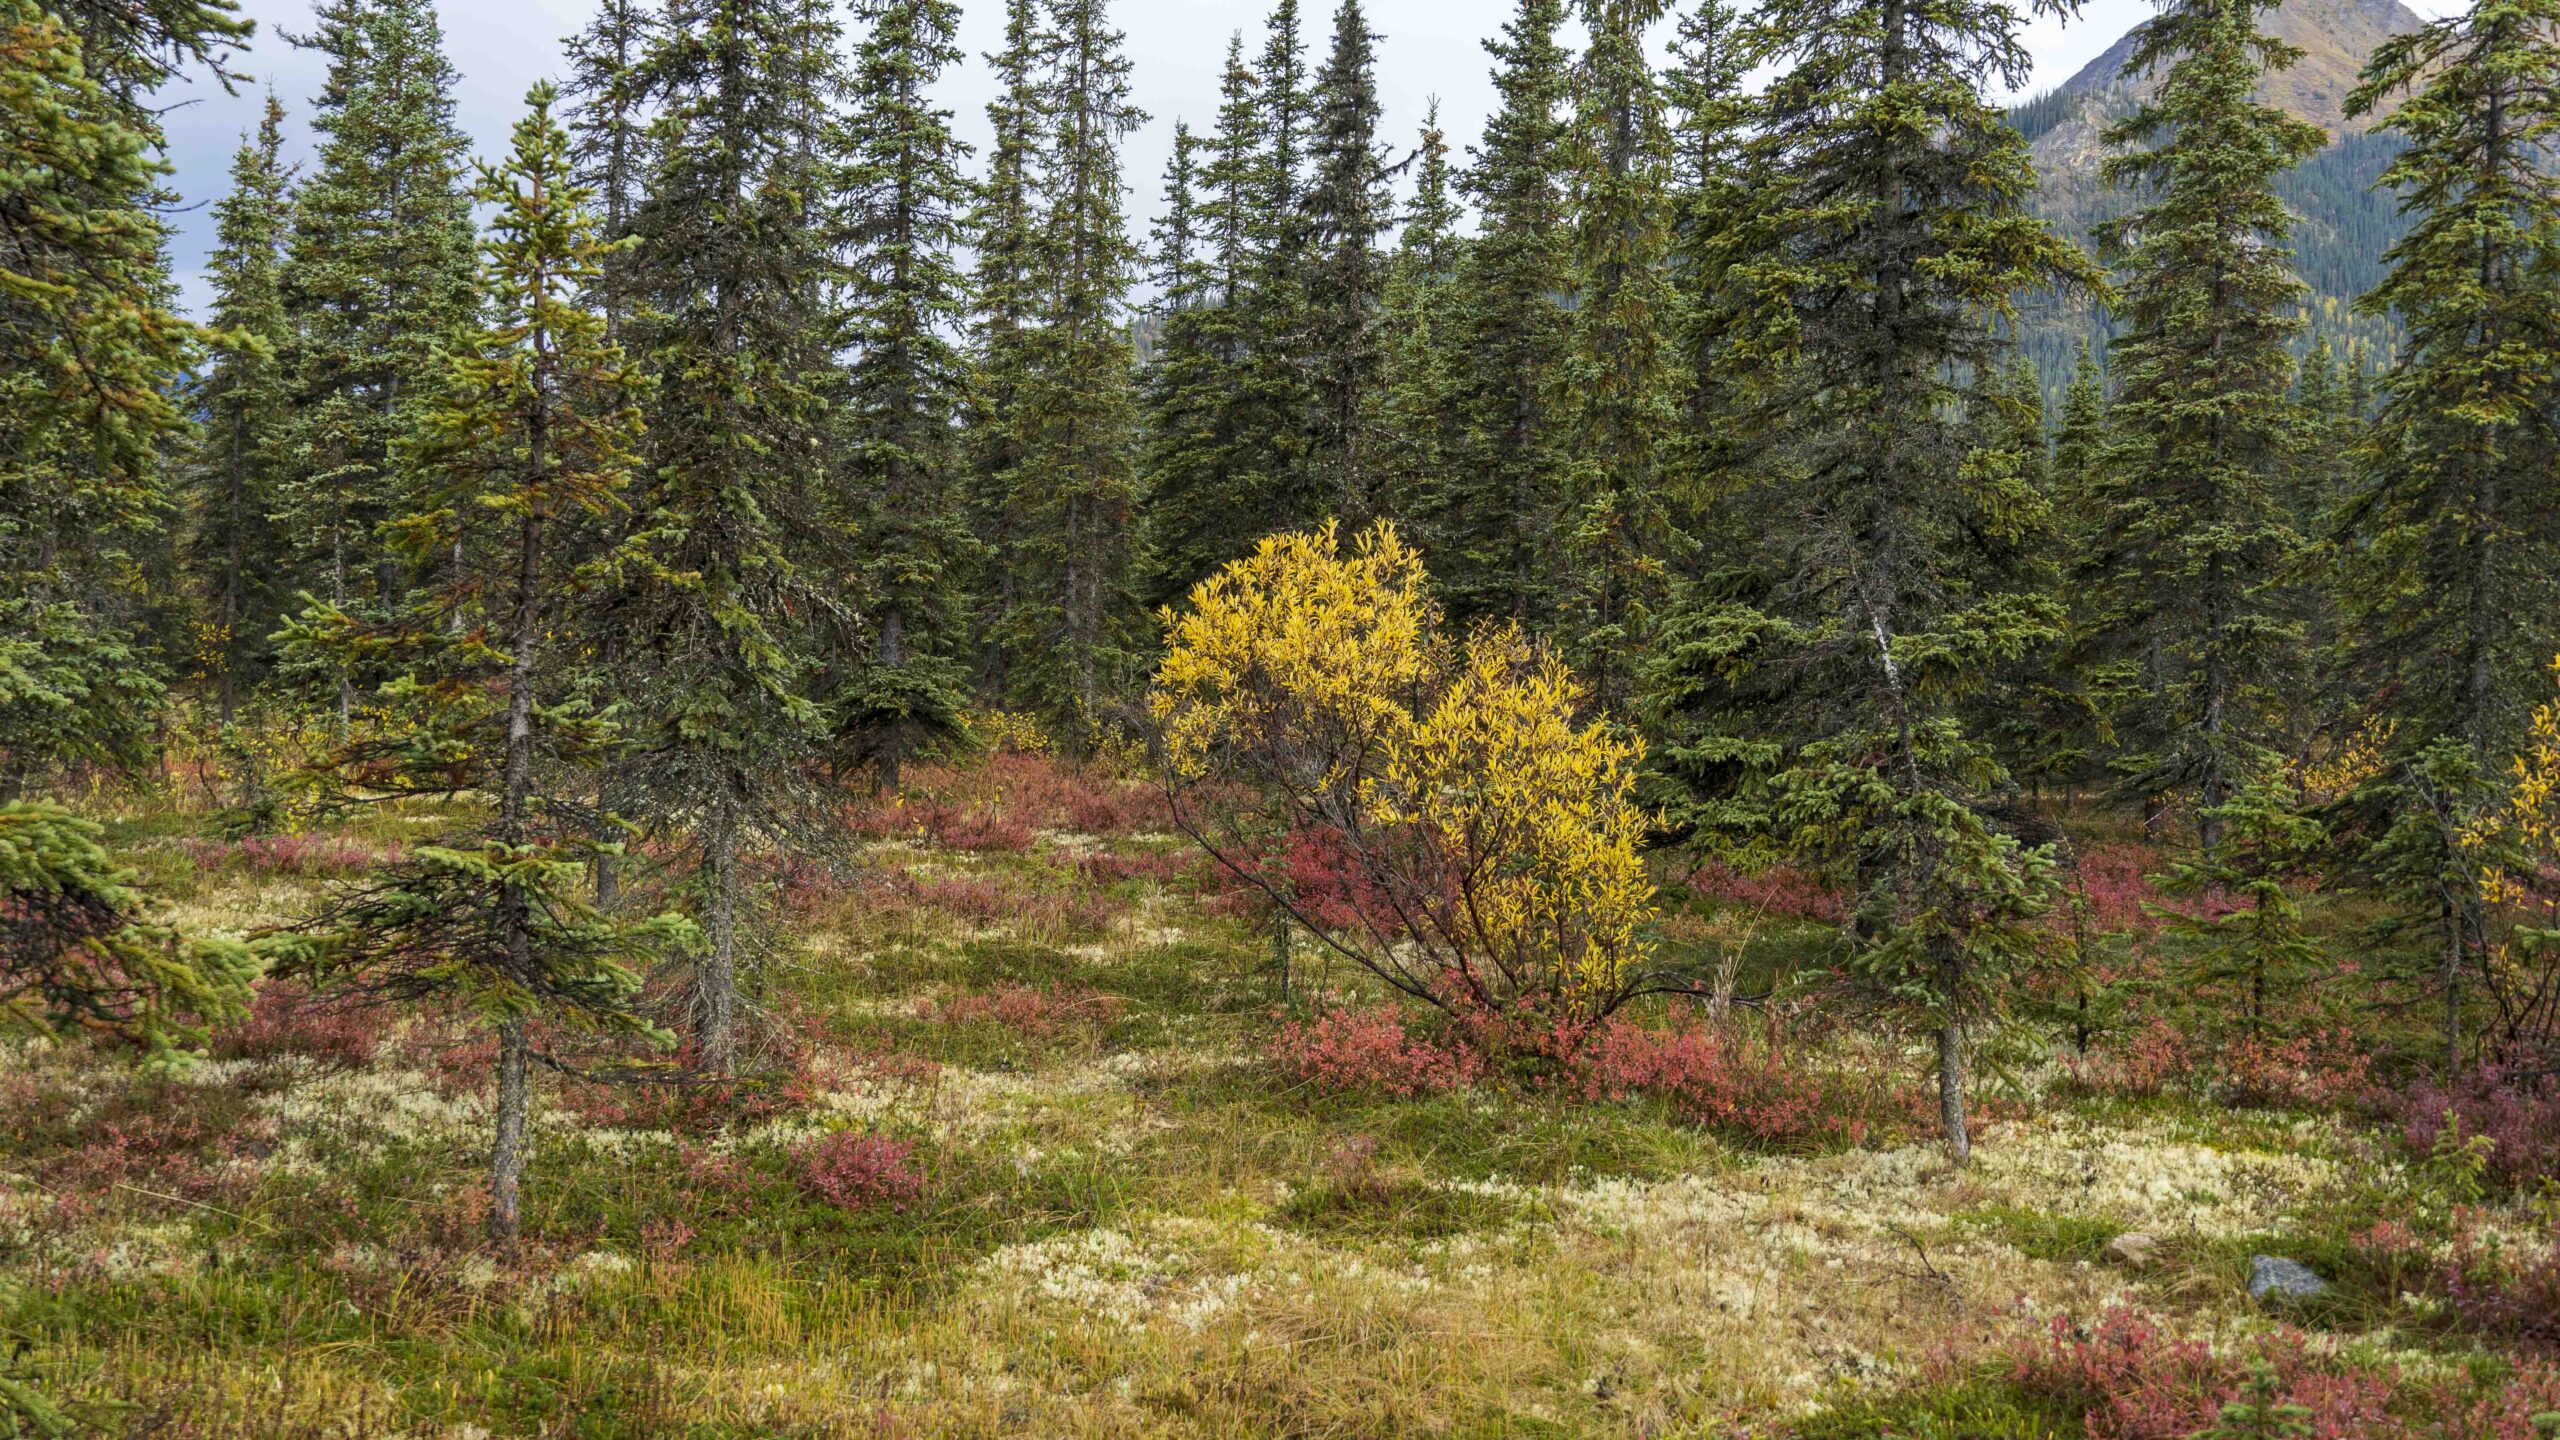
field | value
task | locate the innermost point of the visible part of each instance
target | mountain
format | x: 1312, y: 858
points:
x: 2341, y: 226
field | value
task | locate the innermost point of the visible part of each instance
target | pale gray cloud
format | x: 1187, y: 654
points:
x: 1426, y: 48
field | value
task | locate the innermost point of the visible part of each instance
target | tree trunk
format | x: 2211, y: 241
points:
x: 506, y: 1157
x: 2451, y: 981
x: 1281, y: 950
x: 1951, y: 1087
x: 893, y: 653
x: 716, y: 986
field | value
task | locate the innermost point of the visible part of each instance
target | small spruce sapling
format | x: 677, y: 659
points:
x: 524, y: 452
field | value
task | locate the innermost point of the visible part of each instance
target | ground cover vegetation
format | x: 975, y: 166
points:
x: 698, y: 780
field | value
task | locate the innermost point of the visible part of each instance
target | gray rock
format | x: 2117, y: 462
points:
x: 2133, y: 1250
x: 2273, y: 1279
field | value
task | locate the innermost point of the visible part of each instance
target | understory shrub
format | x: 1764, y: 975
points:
x: 1030, y: 1010
x: 855, y: 1171
x: 1372, y: 1051
x: 1718, y: 1079
x: 2312, y: 1069
x: 2489, y: 1282
x: 306, y: 854
x: 2519, y: 1115
x: 286, y: 1019
x: 2132, y: 1380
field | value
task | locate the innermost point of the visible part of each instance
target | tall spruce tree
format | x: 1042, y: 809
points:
x: 523, y: 449
x: 609, y: 129
x: 378, y: 274
x: 1275, y: 400
x: 1074, y: 491
x: 1703, y: 87
x: 1187, y: 384
x: 1418, y: 432
x: 2071, y: 734
x: 734, y: 271
x: 236, y: 560
x: 1348, y: 206
x: 904, y: 206
x: 1816, y: 691
x: 2196, y: 532
x: 1490, y: 530
x: 1006, y: 286
x: 90, y: 357
x: 2452, y: 538
x: 1205, y: 446
x: 1616, y: 528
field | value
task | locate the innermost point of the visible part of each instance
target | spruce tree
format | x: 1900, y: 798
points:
x: 2451, y: 540
x: 1074, y: 491
x: 904, y: 202
x: 1489, y: 531
x: 1277, y: 403
x: 733, y: 272
x: 1418, y: 432
x: 1186, y: 382
x: 1703, y: 89
x: 1817, y: 691
x: 1616, y: 528
x: 378, y: 274
x: 90, y: 359
x: 1205, y: 448
x: 609, y: 130
x: 235, y: 557
x: 132, y: 49
x: 1006, y: 286
x: 2195, y: 531
x: 2066, y: 710
x: 523, y: 449
x: 1704, y: 457
x: 1348, y: 205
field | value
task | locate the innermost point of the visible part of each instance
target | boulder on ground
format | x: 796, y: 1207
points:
x: 2134, y: 1250
x: 2274, y: 1279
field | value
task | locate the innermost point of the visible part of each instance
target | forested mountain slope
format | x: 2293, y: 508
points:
x: 2342, y: 225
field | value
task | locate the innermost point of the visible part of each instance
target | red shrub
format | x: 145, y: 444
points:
x: 2514, y: 1293
x: 2519, y: 1115
x: 2133, y: 1382
x: 1780, y: 890
x: 860, y: 1172
x: 306, y: 854
x: 1717, y: 1080
x: 2314, y: 1071
x: 980, y: 828
x: 2317, y: 1069
x: 1106, y: 867
x: 1023, y: 1008
x: 973, y: 898
x: 992, y: 804
x: 2113, y: 883
x: 1371, y: 1050
x: 1116, y: 810
x: 286, y: 1019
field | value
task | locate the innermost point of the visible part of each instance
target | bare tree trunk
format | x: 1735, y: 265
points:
x: 506, y: 1157
x: 1951, y: 1087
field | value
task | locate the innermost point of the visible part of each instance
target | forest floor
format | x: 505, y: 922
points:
x: 1126, y: 1219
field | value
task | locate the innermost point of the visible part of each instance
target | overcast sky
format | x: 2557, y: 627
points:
x: 1426, y: 48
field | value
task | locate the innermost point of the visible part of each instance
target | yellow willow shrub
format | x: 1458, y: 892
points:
x: 1534, y: 812
x: 2514, y: 848
x: 1440, y: 816
x: 1305, y: 658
